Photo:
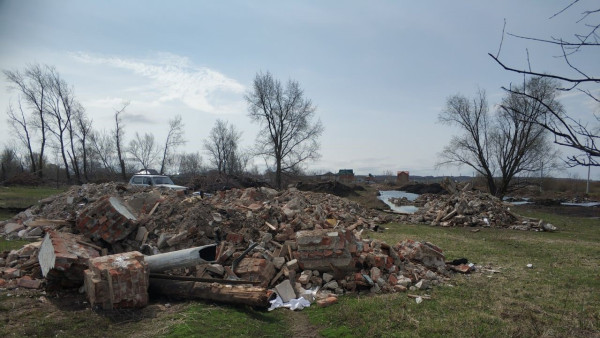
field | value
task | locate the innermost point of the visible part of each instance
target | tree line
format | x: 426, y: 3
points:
x: 515, y: 139
x: 47, y: 119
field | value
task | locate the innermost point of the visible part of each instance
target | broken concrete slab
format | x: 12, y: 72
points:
x: 285, y: 291
x: 9, y: 228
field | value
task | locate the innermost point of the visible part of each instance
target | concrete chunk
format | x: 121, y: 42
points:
x: 285, y: 291
x: 278, y: 262
x: 13, y: 227
x: 327, y: 277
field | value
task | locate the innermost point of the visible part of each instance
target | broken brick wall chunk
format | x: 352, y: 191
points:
x: 118, y: 281
x: 109, y: 219
x: 63, y: 257
x: 322, y: 249
x: 255, y: 270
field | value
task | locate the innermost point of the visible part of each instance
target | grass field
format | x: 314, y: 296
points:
x: 23, y: 197
x: 17, y: 198
x: 558, y: 296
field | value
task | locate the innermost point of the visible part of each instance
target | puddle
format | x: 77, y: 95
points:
x: 586, y: 204
x: 385, y: 195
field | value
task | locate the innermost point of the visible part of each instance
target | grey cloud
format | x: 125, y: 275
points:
x: 138, y: 118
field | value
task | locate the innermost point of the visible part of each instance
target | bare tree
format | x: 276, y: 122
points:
x: 190, y: 164
x: 104, y: 148
x: 222, y: 144
x: 62, y: 109
x: 568, y: 131
x: 522, y: 145
x: 473, y: 148
x: 498, y: 147
x: 84, y: 127
x: 21, y: 128
x: 173, y: 140
x: 238, y: 161
x: 32, y: 86
x: 144, y: 150
x: 118, y: 135
x: 288, y: 134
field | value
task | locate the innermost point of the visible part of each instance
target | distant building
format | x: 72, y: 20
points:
x: 402, y: 177
x: 346, y: 175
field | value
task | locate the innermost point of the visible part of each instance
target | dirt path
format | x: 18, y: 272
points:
x: 300, y: 325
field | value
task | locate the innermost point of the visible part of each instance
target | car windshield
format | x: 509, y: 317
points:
x: 162, y: 180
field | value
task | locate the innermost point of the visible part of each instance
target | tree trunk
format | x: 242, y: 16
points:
x: 162, y: 164
x: 278, y: 174
x: 74, y: 161
x: 491, y: 185
x: 85, y: 160
x: 64, y: 157
x: 231, y: 294
x: 40, y: 166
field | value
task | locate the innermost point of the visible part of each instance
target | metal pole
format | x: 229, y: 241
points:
x: 587, y: 188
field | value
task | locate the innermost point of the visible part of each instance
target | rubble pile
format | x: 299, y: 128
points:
x: 236, y: 246
x: 469, y: 208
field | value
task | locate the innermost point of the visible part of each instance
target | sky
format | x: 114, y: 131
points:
x: 379, y: 72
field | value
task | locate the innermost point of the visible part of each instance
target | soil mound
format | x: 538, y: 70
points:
x: 329, y: 187
x: 420, y: 188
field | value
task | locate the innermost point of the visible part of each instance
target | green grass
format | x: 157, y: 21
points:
x: 6, y: 245
x: 228, y: 321
x: 559, y: 296
x: 24, y: 197
x: 6, y: 214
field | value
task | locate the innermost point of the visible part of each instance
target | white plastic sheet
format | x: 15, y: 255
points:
x: 293, y: 304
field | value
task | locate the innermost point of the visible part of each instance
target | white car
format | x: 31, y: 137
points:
x: 149, y: 177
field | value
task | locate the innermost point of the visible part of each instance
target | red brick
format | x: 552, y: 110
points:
x: 29, y: 283
x: 234, y: 238
x: 11, y: 273
x: 327, y: 301
x: 352, y: 248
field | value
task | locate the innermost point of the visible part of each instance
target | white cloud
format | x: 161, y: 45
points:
x: 175, y: 78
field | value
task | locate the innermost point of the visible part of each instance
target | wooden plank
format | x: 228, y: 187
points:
x: 154, y: 208
x: 204, y: 280
x: 223, y: 293
x: 271, y: 226
x: 89, y: 244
